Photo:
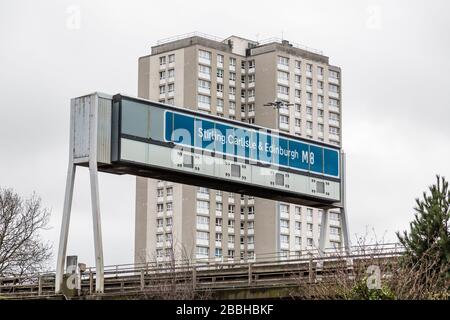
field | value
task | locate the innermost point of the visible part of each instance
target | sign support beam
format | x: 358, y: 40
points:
x: 93, y: 173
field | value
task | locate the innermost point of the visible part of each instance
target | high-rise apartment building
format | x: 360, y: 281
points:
x: 234, y: 78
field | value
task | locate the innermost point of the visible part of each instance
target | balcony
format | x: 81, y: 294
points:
x: 203, y: 227
x: 232, y: 112
x: 319, y: 77
x: 284, y: 245
x: 283, y: 81
x: 283, y: 67
x: 230, y: 245
x: 230, y: 230
x: 309, y: 74
x: 250, y: 246
x: 283, y: 96
x: 284, y: 111
x: 204, y: 90
x: 284, y: 126
x: 169, y: 198
x: 204, y: 106
x: 242, y: 217
x: 309, y: 88
x: 206, y: 62
x: 320, y: 91
x: 218, y: 198
x: 219, y: 64
x: 309, y: 103
x: 309, y: 116
x: 251, y: 84
x: 333, y: 122
x: 232, y: 97
x: 333, y: 80
x: 250, y: 201
x: 284, y: 230
x: 284, y: 215
x: 251, y: 99
x: 218, y: 228
x: 335, y: 223
x: 162, y: 81
x: 232, y: 83
x: 250, y: 216
x: 242, y: 114
x: 219, y: 109
x: 160, y: 229
x: 160, y: 199
x: 218, y: 213
x: 297, y: 85
x: 169, y: 213
x: 251, y: 70
x: 160, y: 184
x: 162, y: 95
x: 231, y: 215
x: 242, y: 232
x: 202, y: 196
x: 320, y: 134
x: 160, y: 214
x: 309, y: 132
x: 243, y: 71
x: 320, y: 119
x: 159, y: 244
x: 206, y: 76
x: 232, y: 67
x: 335, y: 237
x: 219, y: 80
x: 297, y: 129
x: 334, y: 137
x: 162, y: 66
x: 333, y: 108
x: 218, y: 243
x: 242, y: 246
x: 250, y: 232
x: 231, y: 200
x: 333, y: 94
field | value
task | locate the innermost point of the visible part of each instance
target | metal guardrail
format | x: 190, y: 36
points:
x: 43, y: 284
x: 295, y: 45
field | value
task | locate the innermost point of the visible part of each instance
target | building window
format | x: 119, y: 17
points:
x: 297, y: 122
x: 250, y: 239
x: 232, y: 76
x: 202, y: 251
x: 204, y: 84
x: 251, y: 93
x: 171, y: 101
x: 298, y: 240
x: 284, y: 119
x: 203, y: 220
x: 334, y: 230
x: 334, y: 216
x: 334, y: 74
x: 159, y: 238
x: 243, y: 94
x: 283, y: 61
x: 204, y: 99
x: 298, y: 107
x: 220, y: 59
x: 160, y: 192
x: 320, y: 113
x: 231, y: 208
x: 309, y: 96
x: 220, y: 87
x: 309, y: 67
x: 169, y: 191
x: 218, y: 252
x: 333, y: 116
x: 169, y: 221
x: 171, y: 58
x: 162, y: 75
x: 333, y: 102
x: 171, y: 73
x: 160, y: 207
x: 298, y: 225
x: 284, y: 223
x: 284, y: 208
x: 219, y: 222
x: 298, y: 64
x: 320, y: 127
x: 308, y: 110
x: 232, y: 62
x: 202, y: 235
x: 298, y: 93
x: 309, y: 213
x: 230, y: 223
x: 203, y: 205
x: 232, y: 105
x: 232, y: 90
x: 159, y: 223
x: 298, y: 78
x: 171, y: 87
x: 251, y: 78
x: 309, y: 125
x: 283, y: 90
x: 162, y: 60
x: 162, y: 89
x: 220, y: 103
x: 204, y: 69
x: 204, y: 55
x: 283, y: 76
x: 334, y: 130
x: 251, y: 120
x: 320, y: 71
x: 231, y: 253
x: 309, y: 82
x: 309, y: 227
x: 284, y: 238
x: 320, y: 84
x: 320, y: 99
x: 220, y: 73
x: 333, y: 88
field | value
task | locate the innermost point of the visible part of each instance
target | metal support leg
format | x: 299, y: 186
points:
x: 99, y: 281
x: 323, y: 239
x: 61, y: 259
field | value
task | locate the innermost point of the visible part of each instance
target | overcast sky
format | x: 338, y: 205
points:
x: 395, y: 65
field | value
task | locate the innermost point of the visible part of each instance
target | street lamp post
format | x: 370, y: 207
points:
x: 277, y: 104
